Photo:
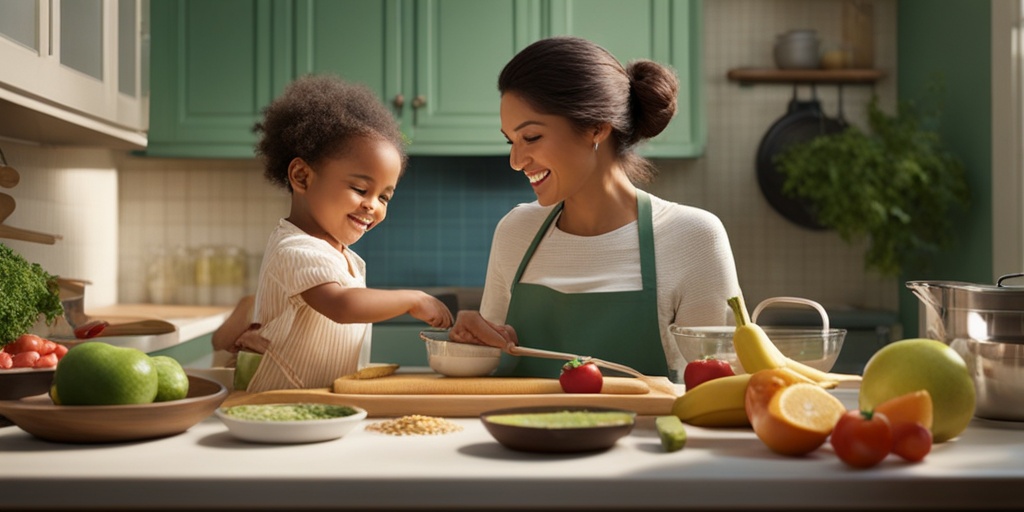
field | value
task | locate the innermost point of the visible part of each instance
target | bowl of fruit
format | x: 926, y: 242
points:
x: 816, y: 347
x: 102, y: 393
x: 27, y: 365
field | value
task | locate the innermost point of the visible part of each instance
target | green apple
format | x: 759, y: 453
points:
x: 245, y: 368
x: 172, y: 382
x: 913, y: 364
x: 97, y: 373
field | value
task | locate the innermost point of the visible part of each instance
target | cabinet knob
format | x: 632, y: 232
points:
x: 419, y: 101
x: 399, y: 101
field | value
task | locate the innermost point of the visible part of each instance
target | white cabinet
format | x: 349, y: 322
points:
x: 72, y: 72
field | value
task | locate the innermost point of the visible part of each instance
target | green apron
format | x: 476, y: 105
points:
x: 615, y: 326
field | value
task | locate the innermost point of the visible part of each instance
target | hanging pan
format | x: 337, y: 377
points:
x: 804, y: 120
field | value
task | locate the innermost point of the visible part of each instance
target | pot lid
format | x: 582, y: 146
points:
x: 963, y: 295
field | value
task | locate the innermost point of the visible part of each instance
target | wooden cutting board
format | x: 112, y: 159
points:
x: 435, y: 395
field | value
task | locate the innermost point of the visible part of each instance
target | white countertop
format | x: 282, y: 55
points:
x: 207, y: 467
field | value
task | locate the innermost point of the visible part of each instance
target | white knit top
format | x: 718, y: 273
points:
x: 696, y: 272
x: 307, y: 350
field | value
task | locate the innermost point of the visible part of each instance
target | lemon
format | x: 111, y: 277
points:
x: 172, y: 382
x: 97, y: 373
x: 914, y: 364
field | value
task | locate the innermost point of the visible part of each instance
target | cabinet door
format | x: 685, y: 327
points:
x: 65, y: 60
x: 212, y: 72
x: 359, y: 40
x: 460, y: 47
x: 666, y: 31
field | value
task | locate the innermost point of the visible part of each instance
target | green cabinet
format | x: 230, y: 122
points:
x: 435, y: 63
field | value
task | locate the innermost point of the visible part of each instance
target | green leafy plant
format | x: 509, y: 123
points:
x: 26, y: 291
x: 896, y: 185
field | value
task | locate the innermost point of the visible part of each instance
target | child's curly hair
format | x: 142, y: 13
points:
x: 314, y: 118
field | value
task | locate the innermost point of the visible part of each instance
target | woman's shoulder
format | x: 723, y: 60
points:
x: 675, y: 214
x: 524, y: 216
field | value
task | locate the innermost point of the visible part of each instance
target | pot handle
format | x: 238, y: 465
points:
x: 792, y: 300
x: 999, y: 282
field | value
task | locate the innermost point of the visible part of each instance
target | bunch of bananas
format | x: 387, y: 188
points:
x: 720, y: 402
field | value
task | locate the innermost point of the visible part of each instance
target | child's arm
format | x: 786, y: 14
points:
x: 233, y: 327
x: 347, y: 305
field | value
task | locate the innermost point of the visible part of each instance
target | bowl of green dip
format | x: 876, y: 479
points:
x: 558, y: 429
x: 290, y: 423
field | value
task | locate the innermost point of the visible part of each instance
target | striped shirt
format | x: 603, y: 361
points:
x: 307, y: 350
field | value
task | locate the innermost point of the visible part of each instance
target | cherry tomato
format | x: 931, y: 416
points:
x: 25, y: 359
x: 862, y: 439
x: 911, y: 440
x: 60, y: 350
x: 47, y: 347
x: 581, y: 377
x: 24, y: 343
x: 6, y: 360
x: 703, y: 370
x: 47, y: 361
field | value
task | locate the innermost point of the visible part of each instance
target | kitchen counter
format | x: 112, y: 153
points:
x: 206, y: 467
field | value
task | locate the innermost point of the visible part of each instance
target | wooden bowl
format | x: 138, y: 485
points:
x: 539, y: 437
x: 18, y: 383
x: 38, y: 416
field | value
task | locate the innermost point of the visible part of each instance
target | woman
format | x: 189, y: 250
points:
x: 596, y: 266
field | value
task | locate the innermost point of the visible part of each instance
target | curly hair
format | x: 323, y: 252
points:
x: 315, y: 118
x: 581, y: 81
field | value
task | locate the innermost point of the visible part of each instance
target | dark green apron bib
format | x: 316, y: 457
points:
x: 615, y: 326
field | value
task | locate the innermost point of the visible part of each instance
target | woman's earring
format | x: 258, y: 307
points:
x: 595, y: 147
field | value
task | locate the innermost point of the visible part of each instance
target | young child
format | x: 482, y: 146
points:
x: 336, y: 148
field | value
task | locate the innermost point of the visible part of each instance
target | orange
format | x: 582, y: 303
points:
x: 913, y: 407
x: 789, y: 415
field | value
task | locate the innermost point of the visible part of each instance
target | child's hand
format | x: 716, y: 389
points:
x: 431, y: 310
x: 472, y: 327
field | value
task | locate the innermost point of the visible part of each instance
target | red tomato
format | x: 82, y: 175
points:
x: 703, y: 370
x: 581, y: 377
x: 25, y: 359
x: 60, y: 350
x: 47, y: 361
x: 24, y: 343
x: 862, y: 439
x: 911, y: 440
x: 6, y: 360
x: 47, y: 347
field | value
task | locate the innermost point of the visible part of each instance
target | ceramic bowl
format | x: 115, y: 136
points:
x: 543, y: 429
x: 38, y: 416
x: 454, y: 359
x: 18, y: 383
x: 813, y: 347
x: 345, y: 418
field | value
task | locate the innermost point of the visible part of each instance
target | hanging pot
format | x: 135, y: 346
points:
x: 804, y: 120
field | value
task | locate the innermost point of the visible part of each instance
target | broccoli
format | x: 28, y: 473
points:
x: 26, y: 291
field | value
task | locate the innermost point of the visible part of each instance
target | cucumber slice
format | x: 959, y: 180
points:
x: 672, y: 433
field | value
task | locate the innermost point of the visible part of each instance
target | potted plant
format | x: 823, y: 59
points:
x: 895, y: 185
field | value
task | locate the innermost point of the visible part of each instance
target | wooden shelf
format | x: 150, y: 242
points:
x: 819, y: 76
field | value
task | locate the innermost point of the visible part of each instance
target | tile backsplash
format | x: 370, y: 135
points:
x: 439, y: 228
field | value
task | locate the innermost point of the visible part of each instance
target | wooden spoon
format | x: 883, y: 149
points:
x: 6, y: 206
x: 9, y: 177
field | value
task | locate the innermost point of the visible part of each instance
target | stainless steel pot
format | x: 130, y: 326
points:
x: 985, y: 325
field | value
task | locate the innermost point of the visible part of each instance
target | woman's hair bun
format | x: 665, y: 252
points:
x: 653, y: 92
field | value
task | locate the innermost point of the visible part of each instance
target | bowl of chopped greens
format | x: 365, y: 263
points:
x: 558, y: 429
x: 290, y: 423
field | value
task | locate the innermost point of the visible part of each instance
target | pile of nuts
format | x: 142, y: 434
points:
x: 413, y: 425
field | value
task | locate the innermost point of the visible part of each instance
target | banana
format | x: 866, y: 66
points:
x: 715, y: 403
x: 756, y: 351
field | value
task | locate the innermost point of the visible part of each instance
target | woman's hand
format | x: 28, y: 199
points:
x: 471, y: 327
x: 431, y: 310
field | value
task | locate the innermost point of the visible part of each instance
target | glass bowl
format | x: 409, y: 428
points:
x: 815, y: 347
